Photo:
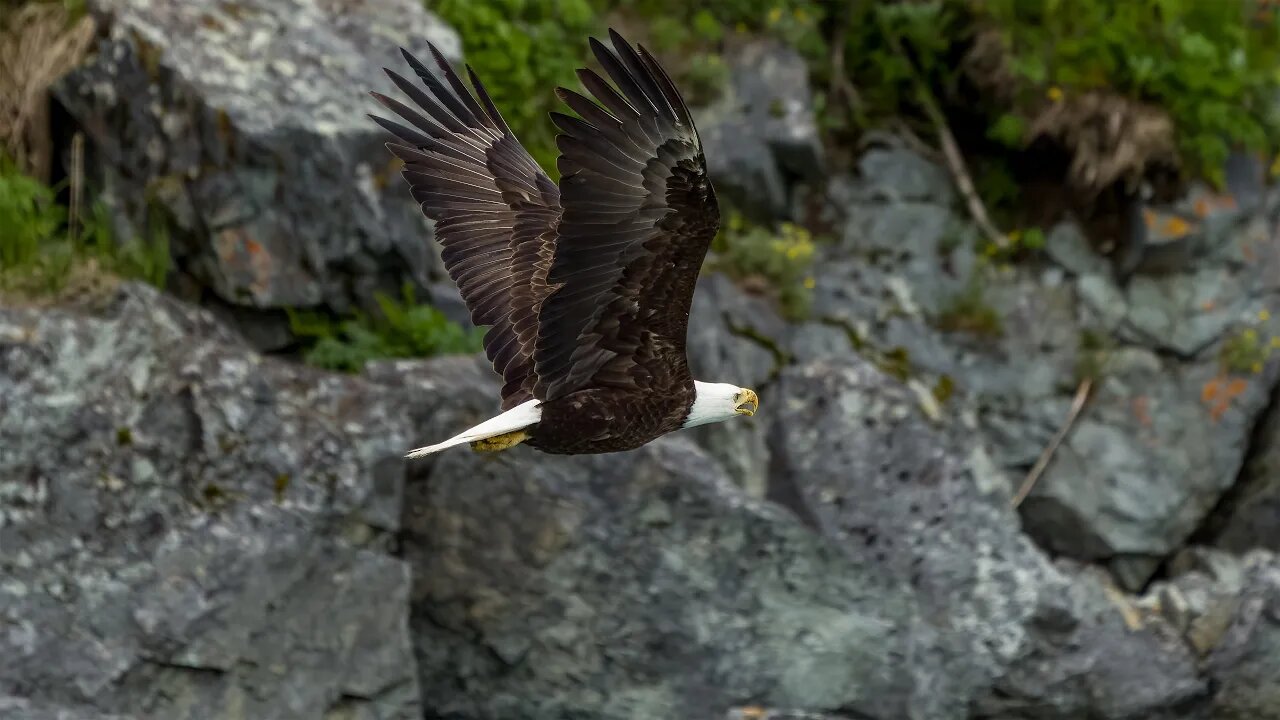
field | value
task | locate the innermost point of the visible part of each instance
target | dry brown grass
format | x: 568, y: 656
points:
x: 39, y: 42
x: 1110, y: 138
x: 87, y: 285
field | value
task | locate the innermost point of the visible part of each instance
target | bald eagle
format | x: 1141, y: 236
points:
x: 585, y: 286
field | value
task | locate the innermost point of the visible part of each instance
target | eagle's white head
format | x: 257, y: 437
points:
x: 714, y: 402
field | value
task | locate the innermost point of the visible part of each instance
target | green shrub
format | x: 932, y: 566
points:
x: 29, y: 217
x: 1247, y: 351
x: 781, y: 260
x: 523, y: 49
x: 402, y: 329
x: 1211, y: 65
x: 39, y: 253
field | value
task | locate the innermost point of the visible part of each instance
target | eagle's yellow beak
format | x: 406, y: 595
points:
x: 746, y: 403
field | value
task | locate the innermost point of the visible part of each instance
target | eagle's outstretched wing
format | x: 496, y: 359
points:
x: 639, y: 215
x: 495, y: 210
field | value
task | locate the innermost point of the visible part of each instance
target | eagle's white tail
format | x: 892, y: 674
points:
x: 517, y: 418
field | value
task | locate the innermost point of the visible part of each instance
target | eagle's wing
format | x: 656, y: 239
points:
x: 639, y: 215
x: 495, y: 210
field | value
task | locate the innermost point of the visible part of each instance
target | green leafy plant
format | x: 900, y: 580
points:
x: 1211, y: 65
x: 40, y: 251
x: 780, y: 261
x: 968, y: 311
x: 523, y: 49
x: 402, y: 329
x: 29, y: 215
x: 1246, y: 351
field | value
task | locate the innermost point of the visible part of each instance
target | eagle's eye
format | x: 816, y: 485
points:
x: 746, y: 403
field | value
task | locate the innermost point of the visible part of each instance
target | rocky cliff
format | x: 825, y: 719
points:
x: 193, y: 529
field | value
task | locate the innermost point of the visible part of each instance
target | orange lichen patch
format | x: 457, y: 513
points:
x: 1209, y: 390
x: 1208, y: 305
x: 1170, y: 226
x: 1142, y: 410
x: 1246, y: 251
x: 245, y: 256
x: 1207, y: 204
x: 751, y: 712
x: 1218, y: 395
x: 1175, y: 227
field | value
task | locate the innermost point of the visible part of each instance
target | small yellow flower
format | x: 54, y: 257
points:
x: 1251, y: 335
x: 1257, y: 368
x: 810, y: 283
x: 1275, y: 342
x: 1055, y: 93
x: 801, y: 15
x: 775, y: 15
x: 1264, y: 315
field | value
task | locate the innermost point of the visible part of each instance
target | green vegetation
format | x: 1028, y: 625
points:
x: 42, y: 248
x: 1211, y: 65
x: 1246, y: 351
x: 969, y: 311
x: 401, y: 329
x: 523, y: 49
x: 781, y: 261
x: 1093, y: 356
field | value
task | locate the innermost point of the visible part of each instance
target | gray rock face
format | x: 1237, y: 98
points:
x: 1249, y: 516
x: 1227, y: 609
x: 243, y: 126
x: 190, y: 531
x: 193, y: 532
x: 1244, y: 664
x: 636, y: 585
x: 1169, y: 422
x: 762, y: 137
x: 12, y: 708
x: 922, y: 504
x: 729, y: 336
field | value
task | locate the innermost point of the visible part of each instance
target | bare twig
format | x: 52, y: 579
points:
x: 1077, y: 404
x: 920, y: 147
x: 840, y: 85
x: 77, y: 188
x: 950, y: 148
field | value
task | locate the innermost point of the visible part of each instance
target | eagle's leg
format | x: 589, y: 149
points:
x: 499, y: 442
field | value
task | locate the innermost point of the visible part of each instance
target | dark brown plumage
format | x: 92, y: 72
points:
x: 586, y: 286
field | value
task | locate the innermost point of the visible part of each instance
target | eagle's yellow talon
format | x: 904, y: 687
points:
x: 499, y: 442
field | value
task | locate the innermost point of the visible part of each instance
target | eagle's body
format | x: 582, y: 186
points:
x: 605, y: 420
x: 586, y: 285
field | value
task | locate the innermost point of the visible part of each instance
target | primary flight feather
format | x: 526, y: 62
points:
x: 585, y: 286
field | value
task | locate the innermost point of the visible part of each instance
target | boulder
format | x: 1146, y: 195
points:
x: 191, y: 531
x: 737, y: 338
x: 644, y: 584
x: 1249, y: 516
x: 921, y: 502
x: 1243, y: 665
x: 761, y: 137
x: 241, y: 129
x: 1179, y: 362
x: 1227, y: 608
